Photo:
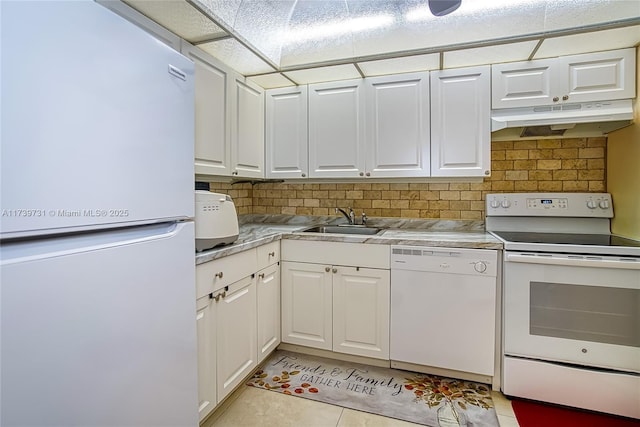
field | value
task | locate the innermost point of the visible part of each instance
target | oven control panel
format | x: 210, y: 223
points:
x: 586, y: 205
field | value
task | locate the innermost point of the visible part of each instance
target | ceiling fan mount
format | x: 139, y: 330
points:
x: 443, y: 7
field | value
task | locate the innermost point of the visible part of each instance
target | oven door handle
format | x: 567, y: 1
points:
x: 575, y: 262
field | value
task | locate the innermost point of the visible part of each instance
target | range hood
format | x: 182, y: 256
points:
x: 567, y: 120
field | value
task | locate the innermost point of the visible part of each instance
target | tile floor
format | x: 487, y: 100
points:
x: 249, y: 407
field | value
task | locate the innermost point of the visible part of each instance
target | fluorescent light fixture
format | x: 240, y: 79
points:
x: 336, y: 29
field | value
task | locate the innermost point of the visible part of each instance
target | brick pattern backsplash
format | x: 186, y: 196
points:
x: 242, y: 195
x: 549, y: 165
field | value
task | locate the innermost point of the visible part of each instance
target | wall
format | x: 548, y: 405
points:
x: 521, y: 166
x: 623, y: 166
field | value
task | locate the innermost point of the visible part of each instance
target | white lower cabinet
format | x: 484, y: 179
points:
x: 205, y: 323
x: 333, y: 306
x: 306, y: 304
x: 237, y: 318
x: 361, y: 311
x: 268, y: 289
x: 236, y: 327
x: 227, y: 341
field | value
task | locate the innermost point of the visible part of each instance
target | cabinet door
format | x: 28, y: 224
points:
x: 212, y: 127
x: 268, y: 310
x: 397, y: 123
x: 602, y: 76
x: 460, y: 122
x: 524, y: 84
x: 336, y: 129
x: 247, y: 131
x: 287, y: 135
x: 205, y: 324
x: 236, y: 325
x: 361, y: 299
x: 306, y: 305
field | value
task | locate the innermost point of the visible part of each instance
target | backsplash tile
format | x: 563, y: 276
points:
x: 549, y: 165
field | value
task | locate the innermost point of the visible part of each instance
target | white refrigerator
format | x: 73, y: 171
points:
x: 97, y: 279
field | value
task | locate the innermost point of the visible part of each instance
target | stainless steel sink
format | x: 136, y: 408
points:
x: 343, y: 229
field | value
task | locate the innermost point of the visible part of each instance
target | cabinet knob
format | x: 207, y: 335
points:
x: 219, y: 275
x: 556, y: 99
x: 487, y: 173
x: 304, y: 175
x: 327, y: 269
x: 565, y: 97
x: 272, y: 254
x: 335, y: 270
x: 234, y: 173
x: 261, y: 275
x: 361, y: 173
x: 368, y: 174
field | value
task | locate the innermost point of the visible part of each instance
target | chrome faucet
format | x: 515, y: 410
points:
x: 351, y: 216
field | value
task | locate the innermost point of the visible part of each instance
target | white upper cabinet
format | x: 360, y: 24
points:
x: 247, y: 129
x: 460, y: 122
x: 601, y: 76
x: 336, y: 129
x: 212, y: 126
x: 397, y: 125
x: 524, y: 84
x: 286, y: 133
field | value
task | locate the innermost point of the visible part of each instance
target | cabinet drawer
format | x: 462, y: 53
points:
x: 268, y: 254
x: 222, y: 272
x: 336, y: 253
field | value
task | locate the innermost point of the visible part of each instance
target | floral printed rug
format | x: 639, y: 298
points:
x: 419, y: 398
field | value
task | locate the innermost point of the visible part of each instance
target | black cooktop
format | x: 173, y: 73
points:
x: 567, y: 239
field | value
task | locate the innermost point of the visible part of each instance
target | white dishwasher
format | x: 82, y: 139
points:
x: 443, y: 308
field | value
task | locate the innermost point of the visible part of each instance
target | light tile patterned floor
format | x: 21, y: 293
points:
x: 249, y: 407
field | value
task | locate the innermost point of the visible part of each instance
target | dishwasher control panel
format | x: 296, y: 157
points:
x: 483, y: 262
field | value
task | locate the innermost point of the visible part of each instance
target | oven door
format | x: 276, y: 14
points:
x: 577, y: 309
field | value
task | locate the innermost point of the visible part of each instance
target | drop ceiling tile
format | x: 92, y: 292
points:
x: 579, y: 13
x: 236, y: 56
x: 271, y: 81
x: 407, y: 64
x: 178, y: 17
x: 591, y: 42
x: 324, y: 74
x: 489, y: 55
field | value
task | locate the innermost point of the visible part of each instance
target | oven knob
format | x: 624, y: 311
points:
x: 604, y: 204
x: 495, y: 204
x: 480, y: 266
x: 506, y: 204
x: 592, y: 204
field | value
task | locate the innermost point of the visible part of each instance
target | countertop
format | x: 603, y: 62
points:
x: 258, y: 230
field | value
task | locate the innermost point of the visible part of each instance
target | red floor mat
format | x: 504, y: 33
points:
x: 534, y: 414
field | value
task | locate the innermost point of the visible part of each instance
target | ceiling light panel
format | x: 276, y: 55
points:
x: 263, y: 23
x: 324, y: 74
x: 489, y: 55
x: 407, y: 64
x: 583, y: 43
x: 238, y: 57
x: 579, y: 13
x: 327, y: 22
x: 178, y: 17
x: 401, y: 26
x: 270, y: 81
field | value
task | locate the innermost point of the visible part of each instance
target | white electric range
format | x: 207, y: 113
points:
x: 571, y: 304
